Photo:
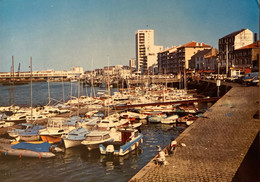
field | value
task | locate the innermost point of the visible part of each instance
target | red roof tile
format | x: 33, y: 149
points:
x: 250, y: 46
x: 195, y: 44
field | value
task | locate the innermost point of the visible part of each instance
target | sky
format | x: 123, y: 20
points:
x: 60, y: 34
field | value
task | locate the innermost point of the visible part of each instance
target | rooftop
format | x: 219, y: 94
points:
x: 233, y: 33
x: 195, y: 44
x: 250, y: 46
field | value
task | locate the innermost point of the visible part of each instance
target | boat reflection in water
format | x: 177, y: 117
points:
x: 110, y: 161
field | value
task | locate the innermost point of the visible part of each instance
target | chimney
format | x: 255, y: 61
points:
x: 255, y: 37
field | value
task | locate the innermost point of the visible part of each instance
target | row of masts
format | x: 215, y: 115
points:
x: 92, y: 92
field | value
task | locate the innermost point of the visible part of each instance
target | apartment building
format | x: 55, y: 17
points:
x: 176, y: 59
x: 185, y: 52
x: 146, y: 51
x: 166, y: 60
x: 132, y: 63
x: 246, y: 57
x: 231, y: 42
x: 204, y: 60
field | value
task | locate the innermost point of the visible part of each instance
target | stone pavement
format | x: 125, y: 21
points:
x: 214, y: 146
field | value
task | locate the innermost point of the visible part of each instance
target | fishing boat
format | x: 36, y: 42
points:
x: 112, y: 121
x: 35, y: 117
x: 92, y: 122
x: 125, y: 141
x: 74, y: 137
x: 91, y: 113
x: 74, y: 121
x: 129, y: 114
x: 95, y: 138
x: 191, y: 120
x: 56, y: 127
x: 31, y: 133
x: 170, y: 119
x: 13, y: 132
x: 3, y: 123
x: 17, y: 117
x: 156, y: 118
x: 184, y: 119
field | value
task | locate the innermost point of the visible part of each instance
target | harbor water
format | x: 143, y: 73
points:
x: 78, y: 164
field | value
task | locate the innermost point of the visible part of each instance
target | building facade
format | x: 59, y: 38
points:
x: 176, y: 59
x: 204, y: 60
x: 185, y: 52
x: 146, y: 51
x: 166, y: 60
x: 246, y: 58
x: 132, y: 64
x: 231, y: 42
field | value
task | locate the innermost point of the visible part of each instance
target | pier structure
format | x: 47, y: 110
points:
x: 17, y: 76
x: 130, y: 82
x: 218, y: 146
x: 168, y: 103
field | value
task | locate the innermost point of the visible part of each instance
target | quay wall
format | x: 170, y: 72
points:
x: 222, y: 145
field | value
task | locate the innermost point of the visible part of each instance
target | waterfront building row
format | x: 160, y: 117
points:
x: 238, y: 51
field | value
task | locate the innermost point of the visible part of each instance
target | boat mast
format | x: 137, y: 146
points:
x: 31, y: 85
x: 108, y: 84
x: 79, y: 89
x: 108, y: 81
x: 49, y: 93
x: 10, y: 89
x: 62, y: 90
x: 92, y: 91
x: 13, y: 79
x: 78, y: 97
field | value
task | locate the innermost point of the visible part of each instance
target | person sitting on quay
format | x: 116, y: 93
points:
x: 160, y: 158
x: 171, y: 146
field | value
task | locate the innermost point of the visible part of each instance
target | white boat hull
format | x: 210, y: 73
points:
x: 95, y: 144
x: 168, y: 121
x: 71, y: 143
x: 28, y: 138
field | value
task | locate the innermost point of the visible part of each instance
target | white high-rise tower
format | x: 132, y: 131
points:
x: 146, y: 51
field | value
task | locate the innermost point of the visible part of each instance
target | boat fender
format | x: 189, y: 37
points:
x: 110, y: 148
x: 57, y: 149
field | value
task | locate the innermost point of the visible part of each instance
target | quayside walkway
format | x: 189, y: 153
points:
x: 213, y: 147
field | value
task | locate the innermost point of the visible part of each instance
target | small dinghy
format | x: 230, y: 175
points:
x: 23, y: 149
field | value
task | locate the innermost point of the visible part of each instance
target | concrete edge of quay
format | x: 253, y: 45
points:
x: 233, y: 123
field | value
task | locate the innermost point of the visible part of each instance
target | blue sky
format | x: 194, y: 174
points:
x: 60, y: 34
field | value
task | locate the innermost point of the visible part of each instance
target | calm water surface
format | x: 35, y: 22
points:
x: 78, y: 164
x: 41, y: 92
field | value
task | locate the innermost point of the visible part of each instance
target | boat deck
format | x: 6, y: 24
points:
x: 214, y: 146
